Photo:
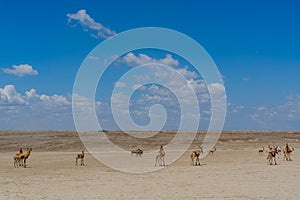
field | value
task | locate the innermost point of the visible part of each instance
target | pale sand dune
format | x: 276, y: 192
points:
x: 235, y: 171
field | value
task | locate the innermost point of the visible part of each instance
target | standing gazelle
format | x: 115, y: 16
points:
x: 160, y: 158
x: 287, y: 152
x: 272, y: 155
x: 195, y: 160
x: 20, y: 158
x: 81, y: 157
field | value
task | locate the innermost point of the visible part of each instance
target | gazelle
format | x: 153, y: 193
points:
x: 17, y: 159
x: 81, y: 157
x: 272, y: 156
x: 287, y: 152
x: 212, y: 151
x: 137, y: 152
x: 195, y: 160
x: 160, y: 158
x: 261, y: 150
x: 22, y: 156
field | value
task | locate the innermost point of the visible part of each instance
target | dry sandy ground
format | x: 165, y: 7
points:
x: 235, y: 171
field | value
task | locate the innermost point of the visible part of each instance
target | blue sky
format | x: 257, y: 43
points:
x: 255, y: 45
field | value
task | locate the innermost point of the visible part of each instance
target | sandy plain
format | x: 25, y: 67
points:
x: 235, y: 171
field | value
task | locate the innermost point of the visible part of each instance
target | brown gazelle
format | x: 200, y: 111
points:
x: 195, y: 160
x: 20, y: 158
x: 261, y: 150
x: 26, y: 155
x: 272, y: 156
x: 17, y: 159
x: 137, y: 152
x: 81, y: 157
x: 287, y: 152
x: 212, y: 151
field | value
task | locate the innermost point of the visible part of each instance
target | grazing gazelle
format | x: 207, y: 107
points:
x: 137, y: 152
x: 212, y: 151
x: 261, y: 150
x: 81, y: 157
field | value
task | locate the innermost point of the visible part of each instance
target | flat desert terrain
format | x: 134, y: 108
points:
x: 235, y: 171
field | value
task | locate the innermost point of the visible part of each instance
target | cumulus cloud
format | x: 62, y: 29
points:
x: 21, y: 70
x: 217, y: 90
x: 175, y: 86
x: 176, y: 83
x: 9, y: 96
x: 169, y: 60
x: 133, y: 60
x: 186, y: 73
x: 31, y: 110
x: 88, y: 23
x: 165, y: 75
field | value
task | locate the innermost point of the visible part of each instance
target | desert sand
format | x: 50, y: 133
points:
x: 235, y: 171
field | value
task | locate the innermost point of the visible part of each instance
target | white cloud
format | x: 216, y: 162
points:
x: 155, y: 89
x: 55, y: 100
x: 291, y: 108
x: 157, y: 98
x: 120, y: 84
x: 277, y: 117
x: 133, y: 60
x: 235, y: 109
x: 120, y: 99
x: 181, y: 87
x: 217, y: 90
x: 31, y: 110
x: 186, y: 73
x: 261, y: 108
x: 138, y: 87
x: 31, y: 94
x: 88, y: 23
x: 93, y: 58
x: 9, y: 96
x: 21, y: 70
x: 83, y: 104
x: 169, y: 61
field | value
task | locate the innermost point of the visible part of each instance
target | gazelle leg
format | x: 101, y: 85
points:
x: 15, y: 163
x: 156, y: 160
